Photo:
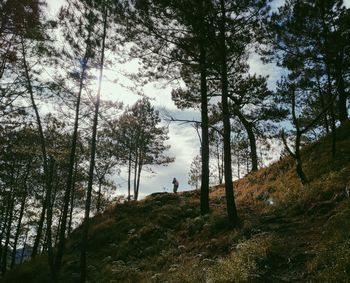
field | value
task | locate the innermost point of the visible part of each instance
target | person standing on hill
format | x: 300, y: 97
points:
x: 176, y: 185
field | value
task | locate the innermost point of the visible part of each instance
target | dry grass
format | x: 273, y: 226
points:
x: 164, y: 239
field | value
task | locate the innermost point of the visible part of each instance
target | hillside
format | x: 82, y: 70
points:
x: 288, y: 232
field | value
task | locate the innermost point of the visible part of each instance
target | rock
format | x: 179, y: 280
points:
x: 107, y: 259
x: 155, y: 277
x: 91, y: 268
x: 181, y: 247
x: 118, y: 262
x: 173, y: 267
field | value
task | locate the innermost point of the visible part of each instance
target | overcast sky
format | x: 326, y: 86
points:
x: 183, y: 138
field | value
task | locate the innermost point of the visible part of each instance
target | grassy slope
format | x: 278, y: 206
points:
x: 302, y: 237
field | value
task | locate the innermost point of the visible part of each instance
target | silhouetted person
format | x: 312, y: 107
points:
x: 176, y: 185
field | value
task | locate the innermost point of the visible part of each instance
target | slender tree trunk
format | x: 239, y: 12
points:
x: 252, y: 140
x: 328, y: 72
x: 98, y: 206
x: 6, y: 212
x: 49, y: 220
x: 333, y: 126
x: 138, y: 176
x: 299, y: 164
x: 129, y: 175
x: 43, y: 151
x: 68, y: 190
x: 2, y: 222
x: 204, y: 197
x: 230, y: 201
x: 58, y: 229
x: 342, y: 109
x: 135, y: 173
x: 83, y: 270
x: 24, y: 245
x: 72, y: 197
x: 19, y: 223
x: 8, y: 233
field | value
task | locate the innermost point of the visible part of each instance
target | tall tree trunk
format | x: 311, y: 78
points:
x: 24, y: 245
x: 72, y: 198
x: 58, y: 229
x: 342, y: 94
x: 43, y: 151
x: 21, y: 213
x: 135, y: 173
x: 327, y: 62
x: 4, y: 221
x: 83, y: 270
x: 299, y: 164
x: 204, y: 197
x: 98, y: 206
x: 8, y: 231
x: 49, y: 219
x: 129, y: 175
x: 332, y: 114
x: 252, y: 140
x: 139, y: 169
x: 2, y: 227
x: 69, y: 185
x: 230, y: 201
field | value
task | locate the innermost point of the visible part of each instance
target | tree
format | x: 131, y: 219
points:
x: 84, y: 26
x: 178, y: 33
x: 93, y: 150
x: 293, y: 95
x: 309, y: 39
x: 139, y: 132
x: 194, y: 176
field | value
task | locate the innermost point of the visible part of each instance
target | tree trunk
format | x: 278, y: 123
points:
x: 98, y: 206
x: 333, y: 126
x: 299, y: 165
x: 18, y: 229
x: 135, y: 173
x: 24, y: 245
x: 8, y: 234
x: 49, y: 220
x: 43, y: 152
x: 129, y: 175
x: 204, y: 197
x: 72, y: 198
x: 252, y: 140
x: 138, y: 176
x: 2, y: 229
x: 69, y: 185
x: 342, y: 109
x: 230, y: 201
x: 6, y: 212
x: 58, y: 229
x: 83, y: 270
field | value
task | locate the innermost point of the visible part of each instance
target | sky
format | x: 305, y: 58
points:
x: 182, y: 137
